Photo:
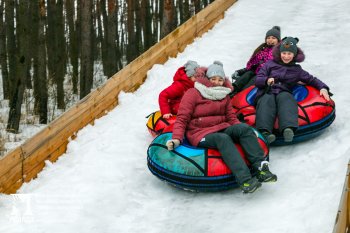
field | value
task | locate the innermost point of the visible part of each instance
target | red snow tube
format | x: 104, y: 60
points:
x: 156, y: 124
x: 315, y: 113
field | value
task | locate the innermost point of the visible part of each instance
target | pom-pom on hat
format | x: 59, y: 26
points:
x: 275, y: 31
x: 190, y: 68
x: 289, y: 44
x: 216, y: 69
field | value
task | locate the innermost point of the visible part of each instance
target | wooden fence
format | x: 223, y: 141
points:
x: 26, y: 161
x: 343, y: 216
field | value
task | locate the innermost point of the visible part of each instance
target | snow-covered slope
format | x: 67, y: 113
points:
x: 102, y: 183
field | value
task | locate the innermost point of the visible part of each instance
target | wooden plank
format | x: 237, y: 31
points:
x: 54, y: 145
x: 13, y: 176
x: 11, y: 160
x: 34, y: 171
x: 58, y: 152
x: 34, y: 164
x: 13, y: 188
x: 43, y: 153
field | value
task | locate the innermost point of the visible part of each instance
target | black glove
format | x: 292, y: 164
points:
x: 238, y: 73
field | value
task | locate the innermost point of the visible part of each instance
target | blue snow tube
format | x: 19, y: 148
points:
x: 193, y: 168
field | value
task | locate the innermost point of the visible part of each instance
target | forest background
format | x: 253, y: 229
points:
x: 54, y: 52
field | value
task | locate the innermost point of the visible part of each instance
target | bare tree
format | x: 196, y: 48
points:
x: 60, y: 55
x: 168, y: 18
x: 56, y: 47
x: 73, y: 42
x: 102, y: 21
x: 131, y: 52
x: 138, y: 29
x: 197, y: 5
x: 34, y: 37
x: 186, y: 10
x: 112, y: 19
x: 3, y: 55
x: 11, y: 43
x: 146, y: 22
x: 42, y: 64
x: 22, y: 63
x: 86, y: 57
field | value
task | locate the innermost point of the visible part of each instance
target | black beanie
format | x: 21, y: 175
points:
x: 275, y: 31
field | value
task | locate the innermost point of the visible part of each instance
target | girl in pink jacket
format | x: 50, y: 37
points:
x: 207, y: 120
x: 246, y: 77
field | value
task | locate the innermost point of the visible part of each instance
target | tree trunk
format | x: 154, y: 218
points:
x: 103, y: 32
x: 197, y: 6
x: 138, y: 29
x: 56, y: 47
x: 42, y: 75
x: 117, y: 39
x: 22, y: 62
x: 3, y: 55
x: 146, y: 21
x: 168, y: 20
x: 50, y: 38
x: 86, y: 73
x: 186, y: 10
x: 131, y: 52
x: 30, y: 20
x: 34, y: 6
x: 60, y: 54
x: 73, y: 43
x: 95, y: 52
x: 112, y: 19
x: 11, y: 44
x: 180, y: 5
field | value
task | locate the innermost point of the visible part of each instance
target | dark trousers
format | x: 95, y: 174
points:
x: 224, y: 142
x: 246, y: 80
x: 282, y: 105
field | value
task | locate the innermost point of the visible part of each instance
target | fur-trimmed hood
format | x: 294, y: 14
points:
x: 276, y: 53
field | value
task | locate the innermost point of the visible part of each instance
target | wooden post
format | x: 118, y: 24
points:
x: 342, y: 219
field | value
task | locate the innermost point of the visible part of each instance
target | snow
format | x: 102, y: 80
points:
x: 102, y: 183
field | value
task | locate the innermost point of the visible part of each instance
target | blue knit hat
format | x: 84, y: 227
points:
x: 289, y: 44
x: 216, y: 69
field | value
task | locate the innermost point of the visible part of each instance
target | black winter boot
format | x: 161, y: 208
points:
x: 288, y: 134
x: 264, y: 174
x: 270, y: 138
x: 250, y: 185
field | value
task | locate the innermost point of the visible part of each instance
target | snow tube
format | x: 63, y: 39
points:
x: 193, y: 168
x: 156, y: 124
x: 315, y: 113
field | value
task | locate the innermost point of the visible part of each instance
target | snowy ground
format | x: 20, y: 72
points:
x: 102, y: 183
